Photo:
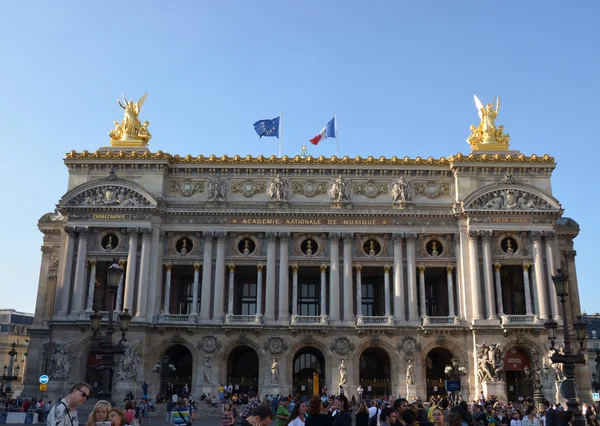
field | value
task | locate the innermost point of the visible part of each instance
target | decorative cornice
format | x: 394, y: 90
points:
x: 321, y: 160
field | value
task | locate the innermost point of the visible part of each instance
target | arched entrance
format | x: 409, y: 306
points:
x: 175, y: 370
x: 375, y: 372
x: 436, y: 362
x: 93, y: 372
x: 242, y: 369
x: 518, y: 374
x: 307, y: 362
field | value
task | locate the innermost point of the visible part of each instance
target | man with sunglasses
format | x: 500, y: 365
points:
x: 64, y: 412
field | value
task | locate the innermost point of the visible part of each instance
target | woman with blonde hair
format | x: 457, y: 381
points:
x: 99, y: 413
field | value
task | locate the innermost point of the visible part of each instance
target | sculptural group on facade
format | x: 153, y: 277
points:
x: 217, y: 189
x: 490, y: 363
x: 131, y: 128
x: 339, y: 192
x: 109, y: 195
x: 278, y: 189
x: 129, y: 364
x: 401, y: 191
x: 487, y: 132
x: 60, y: 361
x: 510, y: 199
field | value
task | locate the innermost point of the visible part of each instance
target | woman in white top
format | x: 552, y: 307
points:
x: 530, y: 418
x: 298, y: 415
x: 516, y: 419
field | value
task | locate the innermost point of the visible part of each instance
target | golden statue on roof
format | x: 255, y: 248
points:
x: 130, y: 133
x: 487, y: 136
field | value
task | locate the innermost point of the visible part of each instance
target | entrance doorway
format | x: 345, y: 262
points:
x: 375, y: 372
x: 307, y: 362
x: 175, y: 370
x: 242, y: 370
x: 518, y: 380
x: 436, y: 362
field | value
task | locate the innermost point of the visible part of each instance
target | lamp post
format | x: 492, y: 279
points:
x: 596, y: 375
x: 538, y: 394
x: 569, y: 357
x: 105, y: 346
x: 7, y: 374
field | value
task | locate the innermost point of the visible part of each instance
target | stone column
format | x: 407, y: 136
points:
x: 142, y: 293
x: 499, y: 301
x: 80, y: 281
x: 63, y: 286
x: 488, y: 275
x: 259, y: 289
x: 423, y: 307
x: 359, y: 291
x: 230, y: 290
x: 91, y: 286
x: 334, y: 277
x: 294, y: 290
x: 450, y: 279
x: 348, y: 302
x: 131, y: 269
x: 43, y: 284
x: 324, y: 290
x: 474, y: 275
x: 167, y: 305
x: 155, y: 273
x: 270, y: 291
x: 284, y: 278
x: 219, y: 278
x: 526, y: 284
x: 386, y: 290
x: 399, y: 314
x: 411, y: 275
x: 551, y: 263
x: 540, y: 287
x: 206, y: 276
x: 195, y: 289
x: 460, y: 309
x: 119, y: 304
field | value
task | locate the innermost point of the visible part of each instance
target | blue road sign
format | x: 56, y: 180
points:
x: 44, y: 379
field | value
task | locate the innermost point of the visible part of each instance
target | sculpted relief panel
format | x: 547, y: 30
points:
x: 109, y: 195
x: 509, y: 199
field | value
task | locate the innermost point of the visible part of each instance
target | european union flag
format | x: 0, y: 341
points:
x: 267, y: 127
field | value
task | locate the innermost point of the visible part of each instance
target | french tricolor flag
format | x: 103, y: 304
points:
x: 329, y: 131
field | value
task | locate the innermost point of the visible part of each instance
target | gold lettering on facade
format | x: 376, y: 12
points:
x: 307, y: 221
x: 510, y: 220
x: 109, y: 216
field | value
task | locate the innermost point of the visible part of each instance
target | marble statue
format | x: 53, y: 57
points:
x: 274, y: 372
x: 217, y: 189
x: 207, y: 370
x: 128, y: 364
x: 60, y: 362
x: 409, y: 372
x: 401, y: 191
x: 339, y: 191
x: 343, y: 373
x: 490, y: 363
x: 278, y: 189
x: 487, y: 132
x: 131, y: 128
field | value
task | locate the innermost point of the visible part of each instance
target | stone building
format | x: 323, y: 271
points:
x: 14, y: 330
x: 266, y: 273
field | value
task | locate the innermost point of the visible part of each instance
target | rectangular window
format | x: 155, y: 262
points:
x: 308, y: 299
x: 248, y: 299
x: 186, y: 294
x: 369, y: 297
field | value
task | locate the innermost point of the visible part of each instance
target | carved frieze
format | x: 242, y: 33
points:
x: 370, y: 188
x: 109, y: 195
x: 275, y: 345
x: 247, y: 188
x: 431, y: 189
x: 342, y: 346
x: 509, y: 199
x: 209, y: 344
x: 196, y: 220
x: 309, y: 188
x: 409, y: 345
x: 424, y: 222
x: 187, y: 187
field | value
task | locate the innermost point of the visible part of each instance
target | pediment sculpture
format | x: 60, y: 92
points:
x: 109, y: 196
x: 509, y: 199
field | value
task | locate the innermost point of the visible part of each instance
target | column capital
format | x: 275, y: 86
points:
x: 83, y: 230
x: 133, y: 231
x: 221, y: 236
x: 46, y: 249
x: 71, y: 230
x: 473, y: 234
x: 497, y: 267
x: 334, y: 236
x: 146, y: 232
x: 570, y: 254
x: 397, y: 237
x: 526, y: 267
x: 358, y: 267
x: 168, y: 266
x: 535, y: 235
x: 295, y: 268
x: 449, y: 269
x: 208, y: 235
x: 271, y: 236
x: 486, y: 235
x: 121, y: 263
x: 260, y: 266
x: 347, y: 235
x: 284, y: 235
x: 421, y: 269
x: 93, y: 263
x: 410, y: 236
x: 549, y: 235
x: 386, y: 268
x: 196, y: 267
x: 323, y: 268
x: 231, y: 267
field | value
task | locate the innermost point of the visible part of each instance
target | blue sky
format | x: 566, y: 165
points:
x: 399, y: 75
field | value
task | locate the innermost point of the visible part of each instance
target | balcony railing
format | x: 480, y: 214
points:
x: 301, y: 320
x: 368, y: 320
x: 243, y: 319
x: 435, y: 321
x: 518, y: 319
x: 177, y: 319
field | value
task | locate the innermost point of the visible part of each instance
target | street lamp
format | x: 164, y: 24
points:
x: 569, y: 357
x: 106, y: 347
x: 7, y: 373
x: 596, y: 375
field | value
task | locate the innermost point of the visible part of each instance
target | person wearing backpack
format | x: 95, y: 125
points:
x: 169, y: 418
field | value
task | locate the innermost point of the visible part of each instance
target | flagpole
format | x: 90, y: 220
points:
x: 337, y: 140
x: 280, y: 122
